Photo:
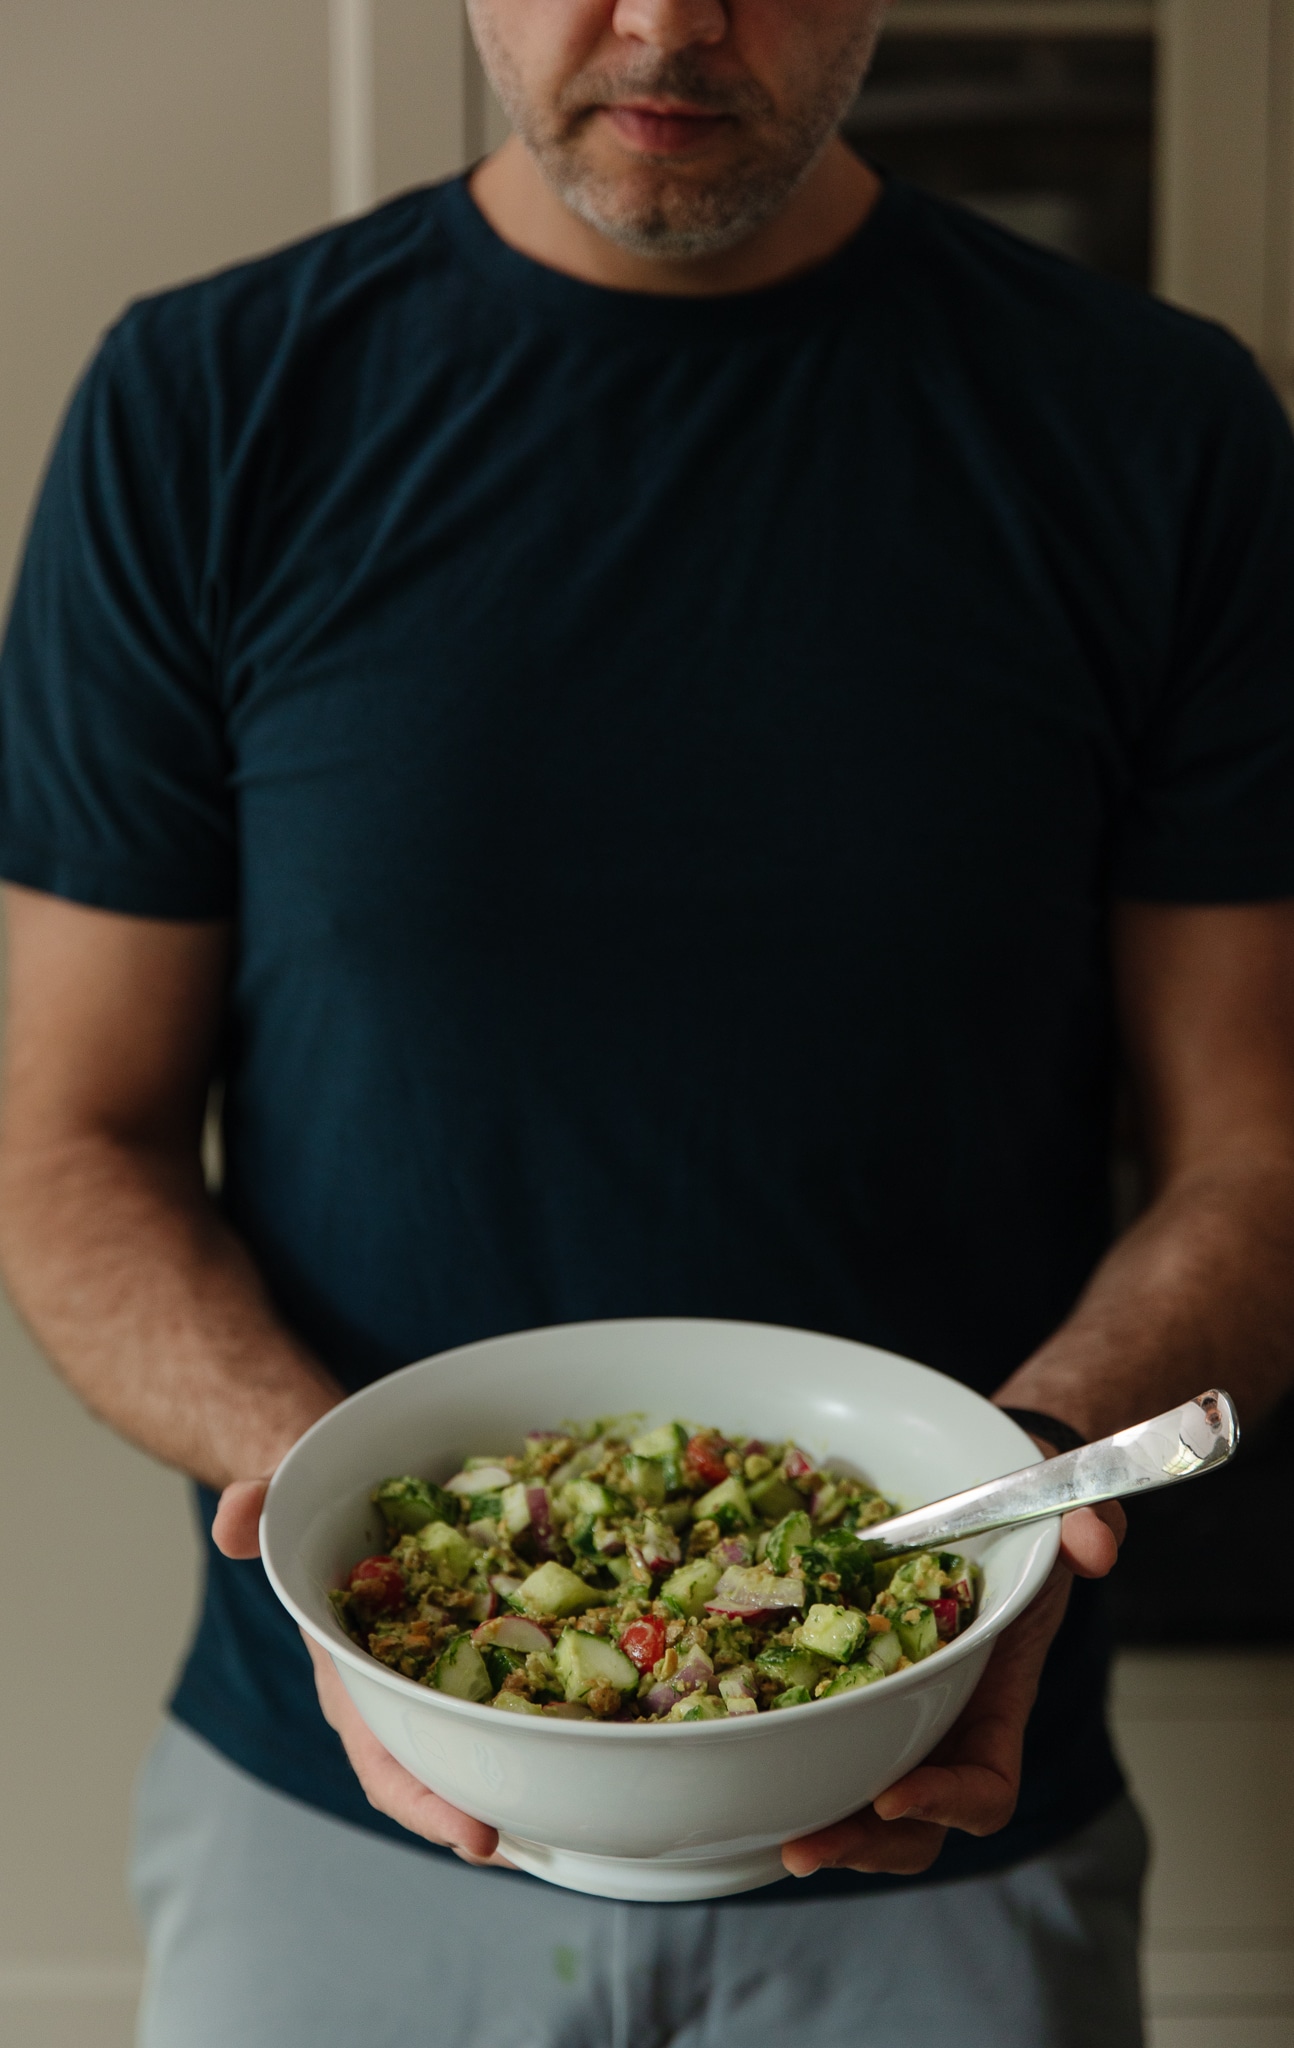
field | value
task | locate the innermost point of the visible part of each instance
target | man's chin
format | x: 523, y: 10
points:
x: 673, y: 212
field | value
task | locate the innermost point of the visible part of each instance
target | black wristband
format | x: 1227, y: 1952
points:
x: 1048, y: 1427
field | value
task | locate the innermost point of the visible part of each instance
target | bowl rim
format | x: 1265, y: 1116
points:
x: 736, y: 1727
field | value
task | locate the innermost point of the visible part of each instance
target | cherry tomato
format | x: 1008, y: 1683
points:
x: 378, y: 1584
x: 704, y: 1457
x: 643, y: 1642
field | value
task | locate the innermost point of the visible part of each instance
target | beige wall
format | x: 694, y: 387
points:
x: 142, y: 141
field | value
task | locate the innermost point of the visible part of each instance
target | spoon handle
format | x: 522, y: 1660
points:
x: 1194, y: 1438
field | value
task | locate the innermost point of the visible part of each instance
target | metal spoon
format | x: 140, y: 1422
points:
x: 1195, y: 1438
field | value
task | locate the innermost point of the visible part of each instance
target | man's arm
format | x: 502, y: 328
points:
x: 1199, y: 1292
x: 143, y: 1297
x: 145, y: 1300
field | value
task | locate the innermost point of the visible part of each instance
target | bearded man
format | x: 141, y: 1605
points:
x: 657, y: 712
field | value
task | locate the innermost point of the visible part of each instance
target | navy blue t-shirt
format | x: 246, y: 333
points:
x: 669, y: 762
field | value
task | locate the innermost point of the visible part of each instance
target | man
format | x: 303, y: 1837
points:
x: 646, y: 711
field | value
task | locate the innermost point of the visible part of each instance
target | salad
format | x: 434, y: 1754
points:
x: 672, y: 1575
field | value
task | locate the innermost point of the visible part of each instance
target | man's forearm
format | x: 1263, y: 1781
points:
x: 1199, y: 1292
x: 152, y: 1309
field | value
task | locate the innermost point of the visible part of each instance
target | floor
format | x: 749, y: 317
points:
x: 1208, y: 1743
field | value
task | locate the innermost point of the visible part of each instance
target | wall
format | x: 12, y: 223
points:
x: 148, y: 140
x: 141, y: 142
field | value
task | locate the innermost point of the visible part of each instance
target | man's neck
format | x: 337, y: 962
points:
x: 819, y: 218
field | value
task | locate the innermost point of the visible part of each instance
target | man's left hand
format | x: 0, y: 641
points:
x: 971, y: 1780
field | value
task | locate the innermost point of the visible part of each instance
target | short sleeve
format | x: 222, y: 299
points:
x: 114, y: 780
x: 1211, y: 812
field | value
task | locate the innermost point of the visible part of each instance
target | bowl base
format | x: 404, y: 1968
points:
x: 654, y: 1880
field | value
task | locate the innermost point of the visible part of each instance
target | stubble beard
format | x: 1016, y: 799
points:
x: 658, y: 209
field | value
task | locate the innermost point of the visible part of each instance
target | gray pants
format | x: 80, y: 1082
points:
x: 272, y: 1926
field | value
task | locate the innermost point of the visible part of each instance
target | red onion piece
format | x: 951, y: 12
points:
x: 733, y: 1550
x: 750, y: 1589
x: 694, y: 1673
x: 660, y: 1699
x: 796, y: 1465
x: 541, y: 1520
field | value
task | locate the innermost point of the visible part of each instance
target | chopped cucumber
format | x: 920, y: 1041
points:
x: 884, y: 1651
x: 918, y: 1578
x: 554, y: 1590
x: 587, y: 1497
x: 700, y: 1706
x: 773, y: 1499
x: 583, y: 1662
x: 792, y: 1666
x: 500, y: 1663
x: 839, y: 1551
x: 669, y: 1441
x: 460, y: 1671
x: 407, y: 1505
x: 449, y: 1554
x: 831, y: 1631
x: 794, y: 1696
x: 793, y: 1533
x: 513, y: 1703
x: 646, y: 1479
x: 918, y: 1632
x: 581, y: 1534
x: 728, y: 1504
x: 692, y: 1584
x: 850, y: 1676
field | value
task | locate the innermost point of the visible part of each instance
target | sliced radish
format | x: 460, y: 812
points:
x: 795, y: 1464
x: 504, y: 1586
x: 483, y: 1606
x: 489, y: 1479
x: 513, y: 1632
x: 947, y: 1617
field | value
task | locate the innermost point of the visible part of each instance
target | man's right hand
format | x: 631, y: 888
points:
x: 237, y: 1527
x: 386, y: 1784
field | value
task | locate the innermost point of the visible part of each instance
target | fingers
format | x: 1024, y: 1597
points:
x: 972, y: 1778
x: 1090, y: 1539
x: 387, y: 1785
x: 236, y: 1529
x: 865, y: 1842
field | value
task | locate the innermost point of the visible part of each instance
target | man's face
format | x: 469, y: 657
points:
x: 676, y: 127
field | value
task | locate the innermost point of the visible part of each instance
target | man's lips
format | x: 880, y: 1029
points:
x: 659, y: 129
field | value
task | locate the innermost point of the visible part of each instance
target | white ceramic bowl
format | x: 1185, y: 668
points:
x: 653, y: 1812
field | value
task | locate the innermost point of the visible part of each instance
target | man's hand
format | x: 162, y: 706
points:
x: 972, y: 1779
x: 387, y: 1785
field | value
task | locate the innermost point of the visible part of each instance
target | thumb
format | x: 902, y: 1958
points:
x: 236, y: 1529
